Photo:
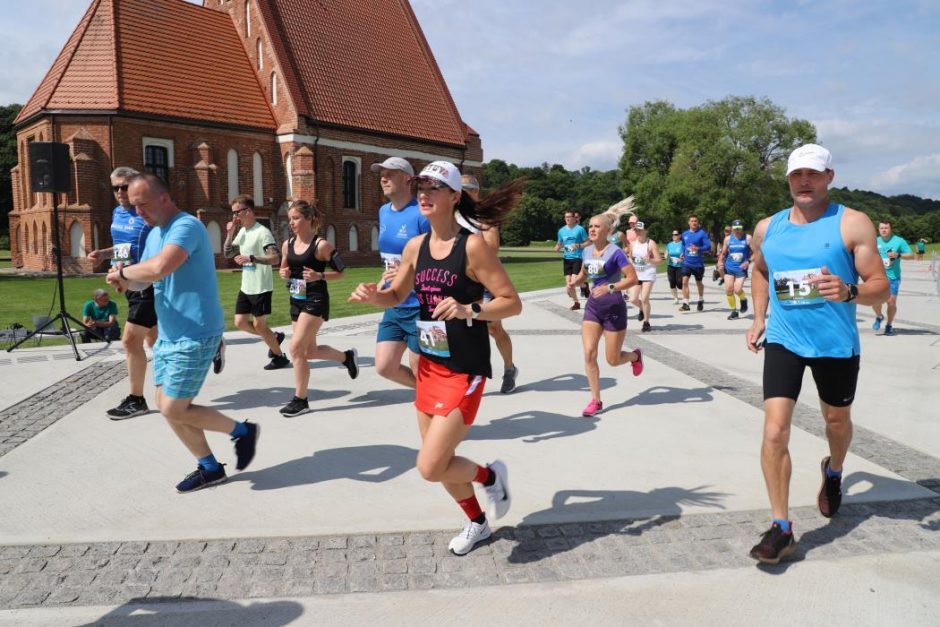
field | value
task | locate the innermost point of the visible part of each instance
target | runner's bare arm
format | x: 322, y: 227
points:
x: 760, y: 286
x: 491, y: 237
x: 858, y: 232
x: 284, y: 270
x: 723, y: 251
x: 484, y: 267
x: 165, y: 263
x: 402, y: 285
x: 654, y: 252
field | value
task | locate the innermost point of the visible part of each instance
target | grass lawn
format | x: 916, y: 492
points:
x: 5, y: 261
x: 21, y: 298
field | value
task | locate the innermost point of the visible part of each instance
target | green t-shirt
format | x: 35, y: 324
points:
x: 98, y: 314
x: 898, y: 245
x: 257, y: 278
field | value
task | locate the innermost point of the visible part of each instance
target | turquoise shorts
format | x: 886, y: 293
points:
x: 181, y: 367
x: 399, y: 324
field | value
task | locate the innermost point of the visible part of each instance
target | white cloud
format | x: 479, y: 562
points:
x: 920, y: 175
x: 601, y: 154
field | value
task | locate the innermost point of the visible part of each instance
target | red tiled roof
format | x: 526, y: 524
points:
x: 363, y: 64
x: 160, y: 57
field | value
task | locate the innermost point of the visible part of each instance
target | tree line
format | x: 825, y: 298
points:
x: 723, y: 160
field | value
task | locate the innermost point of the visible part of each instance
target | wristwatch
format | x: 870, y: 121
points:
x: 251, y: 258
x: 853, y: 292
x: 611, y: 288
x: 475, y: 310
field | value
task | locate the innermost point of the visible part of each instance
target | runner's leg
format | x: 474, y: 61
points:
x: 388, y: 363
x: 133, y: 341
x: 590, y: 337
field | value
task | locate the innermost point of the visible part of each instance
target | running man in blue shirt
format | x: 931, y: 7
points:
x: 695, y: 245
x: 179, y: 262
x: 572, y: 238
x: 733, y: 262
x: 399, y: 221
x: 812, y: 256
x: 892, y: 250
x: 129, y: 234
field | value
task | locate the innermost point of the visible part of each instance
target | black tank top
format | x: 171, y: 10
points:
x: 466, y: 348
x: 297, y: 263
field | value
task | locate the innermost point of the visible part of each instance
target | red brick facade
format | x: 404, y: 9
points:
x: 199, y: 155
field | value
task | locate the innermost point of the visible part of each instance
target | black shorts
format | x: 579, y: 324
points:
x: 572, y: 266
x: 836, y: 377
x: 255, y: 304
x: 675, y: 276
x: 141, y: 308
x: 698, y: 273
x: 315, y: 306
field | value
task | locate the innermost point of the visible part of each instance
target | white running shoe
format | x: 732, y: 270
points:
x: 467, y: 539
x: 498, y: 493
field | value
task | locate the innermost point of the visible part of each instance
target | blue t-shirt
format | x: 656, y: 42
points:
x: 898, y: 245
x: 695, y: 258
x: 606, y: 267
x: 573, y: 236
x: 674, y: 253
x: 187, y: 300
x: 738, y: 252
x: 395, y: 229
x: 128, y: 234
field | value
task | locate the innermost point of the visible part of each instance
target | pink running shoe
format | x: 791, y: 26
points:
x: 638, y: 364
x: 592, y: 408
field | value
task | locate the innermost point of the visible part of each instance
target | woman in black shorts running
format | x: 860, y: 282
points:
x: 304, y: 261
x: 448, y: 268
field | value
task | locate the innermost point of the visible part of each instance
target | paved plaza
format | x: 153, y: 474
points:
x: 644, y: 513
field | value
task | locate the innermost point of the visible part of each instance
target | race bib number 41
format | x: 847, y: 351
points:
x: 432, y: 337
x: 794, y: 289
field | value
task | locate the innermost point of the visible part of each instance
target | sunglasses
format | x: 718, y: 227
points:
x: 236, y: 212
x: 427, y: 188
x: 675, y: 235
x: 120, y: 188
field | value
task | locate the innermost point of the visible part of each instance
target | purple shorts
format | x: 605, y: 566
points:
x: 609, y: 311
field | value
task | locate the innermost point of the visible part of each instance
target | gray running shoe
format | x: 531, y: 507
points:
x: 509, y: 380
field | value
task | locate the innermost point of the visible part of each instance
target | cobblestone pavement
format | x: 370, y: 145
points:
x: 21, y: 421
x: 118, y: 572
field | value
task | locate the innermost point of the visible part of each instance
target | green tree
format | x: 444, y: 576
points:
x: 535, y: 219
x: 8, y: 159
x: 721, y: 161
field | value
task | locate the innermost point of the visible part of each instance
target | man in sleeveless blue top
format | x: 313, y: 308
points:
x: 812, y: 255
x: 399, y: 221
x: 129, y: 234
x: 179, y: 261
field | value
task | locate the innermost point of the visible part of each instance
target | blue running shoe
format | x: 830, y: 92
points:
x: 889, y: 329
x: 877, y: 323
x: 201, y: 478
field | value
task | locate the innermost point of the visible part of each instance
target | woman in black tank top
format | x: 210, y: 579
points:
x: 448, y: 268
x: 304, y: 260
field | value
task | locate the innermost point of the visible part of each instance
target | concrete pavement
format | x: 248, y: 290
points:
x: 332, y: 503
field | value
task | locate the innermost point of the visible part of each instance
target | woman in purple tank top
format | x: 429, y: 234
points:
x: 448, y: 268
x: 609, y: 271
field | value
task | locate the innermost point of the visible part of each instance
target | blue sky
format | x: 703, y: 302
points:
x: 551, y: 80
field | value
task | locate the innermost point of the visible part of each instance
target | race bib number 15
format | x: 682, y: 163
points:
x: 794, y: 289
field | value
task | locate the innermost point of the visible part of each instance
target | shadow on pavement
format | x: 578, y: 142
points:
x: 3, y: 474
x: 532, y: 426
x: 679, y: 327
x: 534, y: 542
x: 562, y: 383
x: 665, y: 395
x: 377, y: 398
x: 153, y: 611
x: 853, y: 513
x: 373, y: 464
x: 269, y: 397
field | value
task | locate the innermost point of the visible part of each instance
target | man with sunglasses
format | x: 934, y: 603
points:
x: 128, y: 236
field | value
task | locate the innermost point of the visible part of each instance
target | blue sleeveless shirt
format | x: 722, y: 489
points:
x: 739, y: 251
x: 800, y: 319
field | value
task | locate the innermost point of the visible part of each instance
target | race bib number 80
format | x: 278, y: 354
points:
x: 794, y: 289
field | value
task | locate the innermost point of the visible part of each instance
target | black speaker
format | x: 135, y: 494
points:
x: 49, y: 169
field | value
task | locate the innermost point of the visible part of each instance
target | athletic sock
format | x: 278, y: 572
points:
x: 742, y: 296
x: 784, y: 524
x: 209, y: 462
x: 240, y: 430
x: 833, y: 473
x: 471, y: 507
x: 685, y: 301
x: 485, y: 476
x: 731, y: 302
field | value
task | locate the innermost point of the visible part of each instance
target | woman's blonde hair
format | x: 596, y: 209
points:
x: 615, y: 212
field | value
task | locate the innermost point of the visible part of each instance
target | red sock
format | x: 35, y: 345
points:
x: 471, y: 507
x: 483, y: 474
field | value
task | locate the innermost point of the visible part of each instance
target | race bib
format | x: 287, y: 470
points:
x: 887, y: 262
x: 794, y: 289
x: 595, y: 269
x: 640, y: 262
x: 572, y: 247
x: 691, y: 252
x: 674, y: 261
x: 297, y: 289
x: 391, y: 261
x: 432, y: 337
x: 121, y: 254
x: 248, y: 267
x: 737, y: 257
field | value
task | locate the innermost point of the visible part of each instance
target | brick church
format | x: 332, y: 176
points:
x: 279, y: 99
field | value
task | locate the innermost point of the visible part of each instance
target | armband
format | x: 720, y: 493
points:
x: 336, y: 262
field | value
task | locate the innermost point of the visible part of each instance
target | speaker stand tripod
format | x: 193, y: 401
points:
x: 63, y: 317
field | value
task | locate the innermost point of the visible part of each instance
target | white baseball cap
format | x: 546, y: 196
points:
x: 810, y: 156
x: 639, y: 226
x: 394, y: 163
x: 443, y: 171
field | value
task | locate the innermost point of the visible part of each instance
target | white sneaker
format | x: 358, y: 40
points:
x: 467, y: 539
x: 498, y: 493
